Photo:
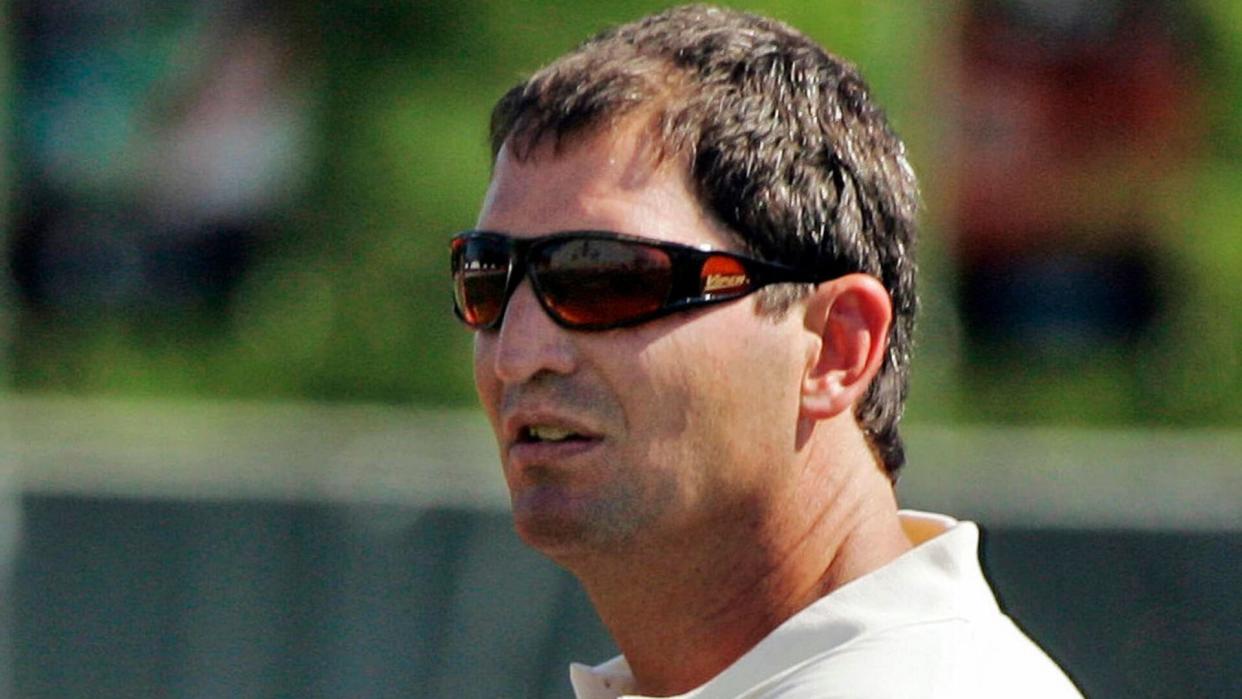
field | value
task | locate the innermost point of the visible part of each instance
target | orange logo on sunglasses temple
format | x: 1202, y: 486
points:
x: 723, y: 274
x: 725, y: 282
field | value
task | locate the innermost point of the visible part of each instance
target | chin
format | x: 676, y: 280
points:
x: 559, y: 540
x: 564, y: 527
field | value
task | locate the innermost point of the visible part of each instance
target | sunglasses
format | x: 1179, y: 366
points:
x: 597, y: 280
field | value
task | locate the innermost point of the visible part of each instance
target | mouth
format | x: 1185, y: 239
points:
x: 548, y: 434
x: 547, y: 443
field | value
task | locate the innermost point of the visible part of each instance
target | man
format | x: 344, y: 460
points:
x: 692, y: 287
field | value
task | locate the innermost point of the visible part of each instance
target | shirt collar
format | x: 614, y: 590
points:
x: 607, y: 681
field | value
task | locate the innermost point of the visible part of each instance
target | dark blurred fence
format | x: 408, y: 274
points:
x: 134, y: 598
x: 242, y: 550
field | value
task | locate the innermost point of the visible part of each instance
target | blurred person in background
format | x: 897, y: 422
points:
x: 692, y: 286
x: 1077, y: 125
x: 1097, y: 106
x: 158, y: 145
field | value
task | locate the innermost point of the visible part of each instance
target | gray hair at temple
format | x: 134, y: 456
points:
x: 782, y: 141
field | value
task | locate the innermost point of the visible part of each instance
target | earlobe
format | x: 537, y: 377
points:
x: 851, y: 317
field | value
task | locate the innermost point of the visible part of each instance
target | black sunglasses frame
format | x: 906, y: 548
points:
x: 686, y: 266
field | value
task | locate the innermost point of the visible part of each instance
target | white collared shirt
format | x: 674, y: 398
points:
x: 924, y: 625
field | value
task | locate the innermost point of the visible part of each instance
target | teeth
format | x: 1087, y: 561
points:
x: 546, y: 433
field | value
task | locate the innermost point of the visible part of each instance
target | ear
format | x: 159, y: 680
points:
x: 851, y: 315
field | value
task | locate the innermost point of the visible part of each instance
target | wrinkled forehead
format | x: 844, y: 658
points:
x: 621, y: 155
x: 600, y: 180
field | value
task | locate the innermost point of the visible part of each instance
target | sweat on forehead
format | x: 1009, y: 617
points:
x: 629, y: 148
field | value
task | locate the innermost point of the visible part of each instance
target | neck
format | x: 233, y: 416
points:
x: 683, y: 613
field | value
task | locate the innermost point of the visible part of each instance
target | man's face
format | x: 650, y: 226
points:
x: 675, y: 425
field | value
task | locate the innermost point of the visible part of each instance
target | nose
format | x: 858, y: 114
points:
x: 529, y: 341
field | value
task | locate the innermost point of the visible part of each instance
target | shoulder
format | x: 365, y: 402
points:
x: 950, y: 658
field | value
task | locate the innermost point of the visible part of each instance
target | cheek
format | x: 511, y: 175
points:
x: 686, y: 404
x: 485, y: 382
x: 725, y: 393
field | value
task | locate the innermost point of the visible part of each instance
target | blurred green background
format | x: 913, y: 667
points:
x: 239, y: 454
x: 371, y: 151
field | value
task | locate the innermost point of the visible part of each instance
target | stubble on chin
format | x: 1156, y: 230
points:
x: 563, y: 519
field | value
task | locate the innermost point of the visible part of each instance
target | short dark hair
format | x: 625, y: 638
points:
x: 782, y: 141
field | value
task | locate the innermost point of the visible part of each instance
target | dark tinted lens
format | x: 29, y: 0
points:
x: 480, y: 277
x: 600, y: 282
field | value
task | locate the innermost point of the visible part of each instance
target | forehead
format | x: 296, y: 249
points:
x: 610, y: 180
